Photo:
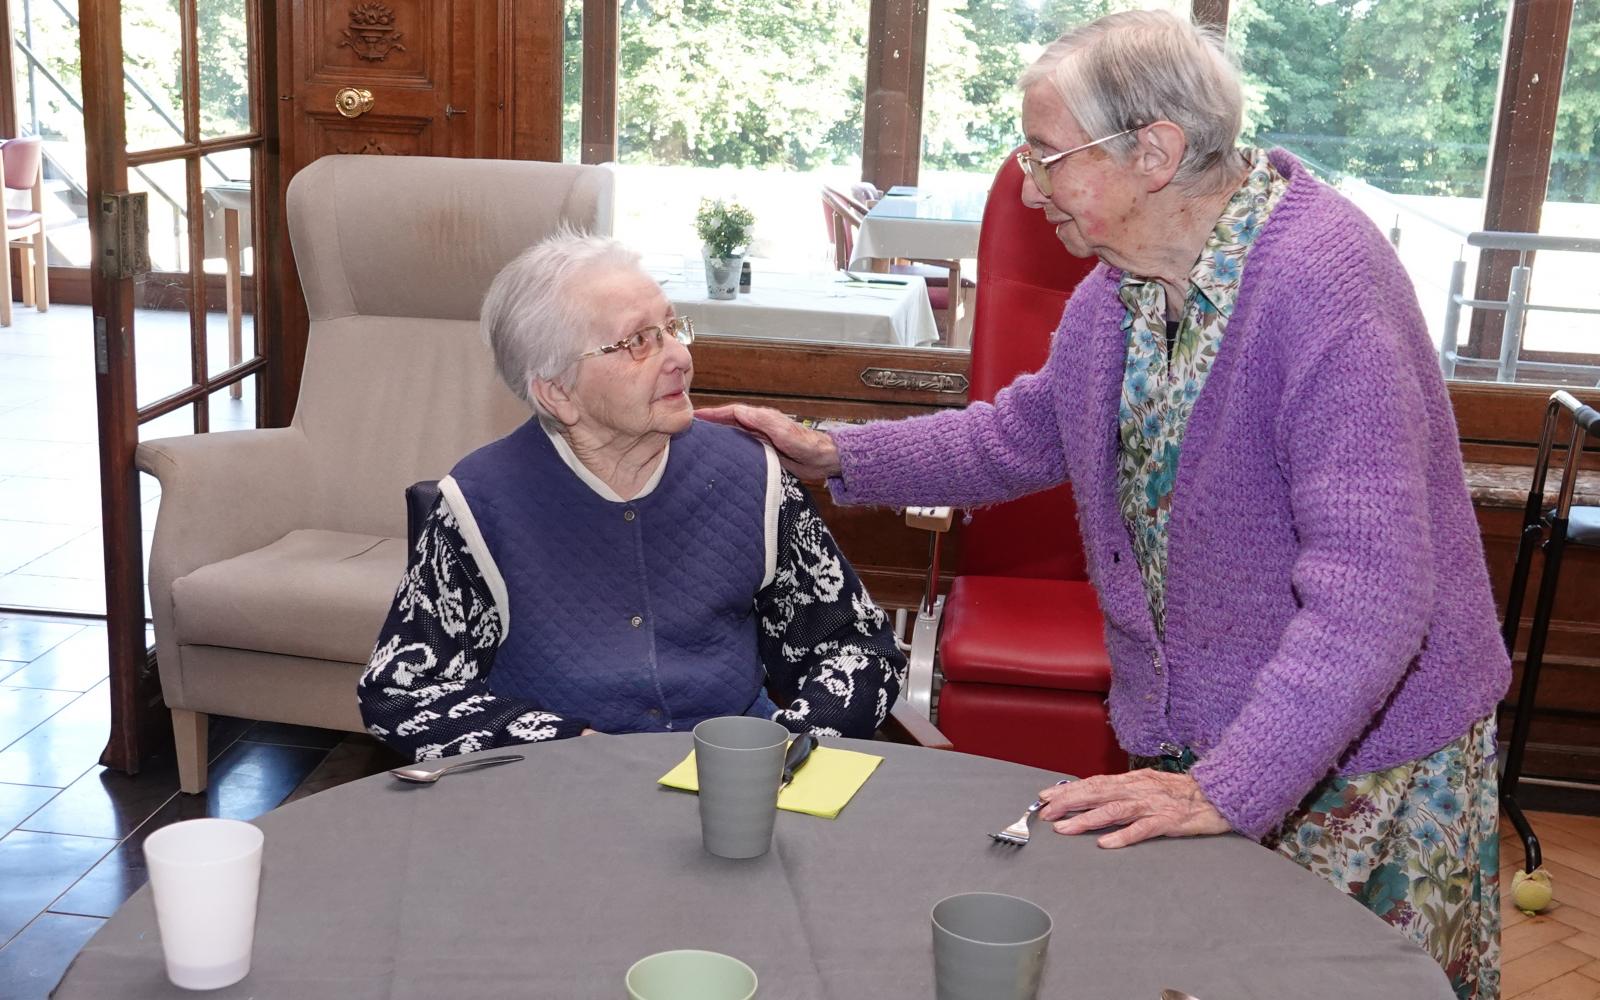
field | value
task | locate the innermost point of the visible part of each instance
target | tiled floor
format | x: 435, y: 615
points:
x: 50, y: 549
x: 70, y: 830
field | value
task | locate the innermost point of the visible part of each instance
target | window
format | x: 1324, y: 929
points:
x: 977, y: 49
x: 50, y: 105
x: 1389, y: 101
x: 761, y: 103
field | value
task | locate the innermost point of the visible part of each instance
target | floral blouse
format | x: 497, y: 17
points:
x: 1160, y: 383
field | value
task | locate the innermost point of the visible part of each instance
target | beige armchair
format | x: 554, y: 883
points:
x: 277, y: 552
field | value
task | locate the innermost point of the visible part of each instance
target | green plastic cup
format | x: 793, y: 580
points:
x: 690, y: 975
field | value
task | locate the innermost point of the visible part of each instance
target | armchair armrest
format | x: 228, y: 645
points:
x: 223, y: 494
x: 905, y: 724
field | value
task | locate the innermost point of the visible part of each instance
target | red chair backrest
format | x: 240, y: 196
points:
x: 1024, y: 278
x: 22, y: 160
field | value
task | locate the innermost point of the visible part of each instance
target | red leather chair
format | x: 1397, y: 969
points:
x: 1022, y: 649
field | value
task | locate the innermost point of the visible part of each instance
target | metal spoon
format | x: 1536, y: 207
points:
x: 427, y: 776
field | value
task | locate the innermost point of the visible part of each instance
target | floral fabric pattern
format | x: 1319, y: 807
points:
x: 1159, y: 389
x: 1418, y: 845
x: 826, y: 646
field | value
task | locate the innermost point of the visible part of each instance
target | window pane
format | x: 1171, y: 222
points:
x: 971, y: 109
x: 229, y: 263
x: 152, y: 38
x: 224, y: 44
x: 757, y: 102
x: 1391, y: 102
x: 571, y: 81
x: 1571, y: 208
x: 161, y: 298
x: 49, y: 98
x: 230, y: 414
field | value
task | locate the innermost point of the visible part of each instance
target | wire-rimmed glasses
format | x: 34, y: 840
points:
x: 643, y: 344
x: 1037, y: 169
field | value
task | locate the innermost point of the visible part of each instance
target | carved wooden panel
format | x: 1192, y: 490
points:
x: 389, y: 40
x: 371, y: 134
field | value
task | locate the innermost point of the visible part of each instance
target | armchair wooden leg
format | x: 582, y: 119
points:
x: 189, y: 737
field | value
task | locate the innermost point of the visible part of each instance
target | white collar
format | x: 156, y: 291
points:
x: 594, y: 482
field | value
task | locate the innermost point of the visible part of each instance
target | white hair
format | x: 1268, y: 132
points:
x: 1127, y: 70
x: 535, y: 318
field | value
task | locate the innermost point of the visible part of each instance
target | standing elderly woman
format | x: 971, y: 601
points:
x: 1298, y: 614
x: 615, y: 565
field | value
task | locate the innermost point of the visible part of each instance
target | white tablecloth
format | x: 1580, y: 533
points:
x: 816, y: 307
x: 924, y: 225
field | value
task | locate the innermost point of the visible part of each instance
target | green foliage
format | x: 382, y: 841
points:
x: 714, y: 82
x: 1401, y: 94
x: 724, y: 227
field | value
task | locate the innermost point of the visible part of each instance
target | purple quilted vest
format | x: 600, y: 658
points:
x: 638, y: 616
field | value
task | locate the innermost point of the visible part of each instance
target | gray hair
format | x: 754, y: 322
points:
x: 1130, y: 69
x: 533, y: 317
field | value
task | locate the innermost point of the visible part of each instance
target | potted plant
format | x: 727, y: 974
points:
x: 724, y: 229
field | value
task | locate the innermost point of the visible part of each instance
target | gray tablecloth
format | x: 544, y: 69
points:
x: 549, y: 877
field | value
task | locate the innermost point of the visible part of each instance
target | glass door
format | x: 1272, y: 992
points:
x: 174, y: 144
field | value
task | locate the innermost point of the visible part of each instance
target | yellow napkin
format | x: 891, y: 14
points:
x: 823, y: 787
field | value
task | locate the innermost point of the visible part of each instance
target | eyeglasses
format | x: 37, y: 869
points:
x: 1038, y: 169
x: 645, y: 343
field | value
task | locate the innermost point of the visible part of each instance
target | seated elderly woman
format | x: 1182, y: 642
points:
x: 615, y: 565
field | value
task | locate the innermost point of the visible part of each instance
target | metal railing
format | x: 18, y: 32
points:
x: 1515, y: 306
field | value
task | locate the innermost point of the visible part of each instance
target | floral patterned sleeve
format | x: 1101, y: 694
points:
x: 826, y: 646
x: 425, y: 691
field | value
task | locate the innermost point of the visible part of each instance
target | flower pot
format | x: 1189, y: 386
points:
x: 722, y: 276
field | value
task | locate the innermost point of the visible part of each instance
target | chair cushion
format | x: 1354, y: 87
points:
x: 938, y: 298
x: 17, y: 218
x: 319, y: 594
x: 1063, y: 731
x: 1024, y: 632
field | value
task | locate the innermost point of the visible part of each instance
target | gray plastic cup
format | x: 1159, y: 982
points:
x: 740, y: 762
x: 690, y: 975
x: 988, y: 946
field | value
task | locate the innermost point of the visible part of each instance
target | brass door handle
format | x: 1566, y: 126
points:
x: 353, y: 102
x: 450, y: 111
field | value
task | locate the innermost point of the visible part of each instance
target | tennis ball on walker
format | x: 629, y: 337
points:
x: 1531, y: 892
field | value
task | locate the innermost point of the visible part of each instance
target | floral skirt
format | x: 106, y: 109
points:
x: 1419, y: 845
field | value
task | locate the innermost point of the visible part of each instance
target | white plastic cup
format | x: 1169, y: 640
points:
x: 205, y: 874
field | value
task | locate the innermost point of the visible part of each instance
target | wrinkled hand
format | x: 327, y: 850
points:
x: 1152, y: 803
x: 807, y: 453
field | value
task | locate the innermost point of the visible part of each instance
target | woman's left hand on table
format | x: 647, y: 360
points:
x: 1152, y: 803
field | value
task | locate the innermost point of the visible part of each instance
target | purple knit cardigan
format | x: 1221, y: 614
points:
x: 1328, y: 607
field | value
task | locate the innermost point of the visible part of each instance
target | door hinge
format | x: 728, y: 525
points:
x: 124, y: 234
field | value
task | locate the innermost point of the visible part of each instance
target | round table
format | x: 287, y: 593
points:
x: 549, y: 877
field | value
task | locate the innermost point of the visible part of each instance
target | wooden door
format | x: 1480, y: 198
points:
x: 392, y: 77
x: 436, y: 82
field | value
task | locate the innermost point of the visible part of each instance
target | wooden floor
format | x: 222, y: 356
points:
x: 1555, y: 955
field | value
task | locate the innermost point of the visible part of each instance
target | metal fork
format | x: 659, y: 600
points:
x: 1016, y: 835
